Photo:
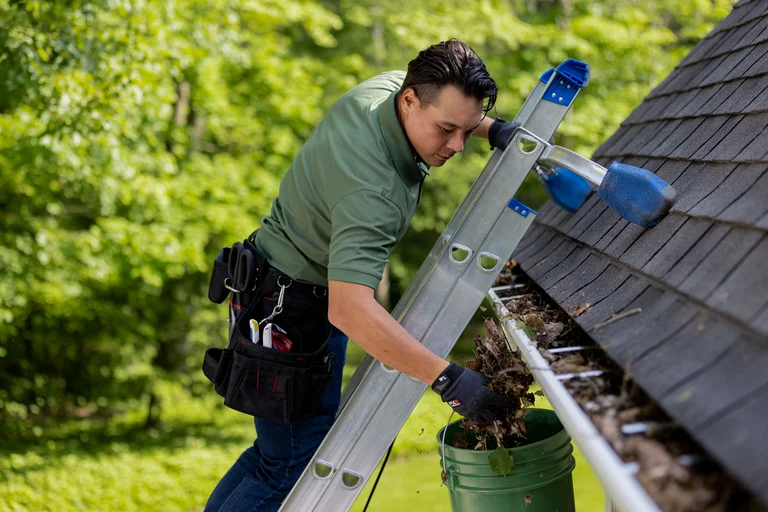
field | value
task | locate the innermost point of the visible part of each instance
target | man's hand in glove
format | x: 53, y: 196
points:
x: 500, y: 132
x: 465, y: 390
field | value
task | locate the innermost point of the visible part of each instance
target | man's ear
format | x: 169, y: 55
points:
x: 410, y: 100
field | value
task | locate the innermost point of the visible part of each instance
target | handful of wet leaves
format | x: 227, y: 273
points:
x: 506, y: 374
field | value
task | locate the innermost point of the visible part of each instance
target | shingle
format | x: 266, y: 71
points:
x: 687, y: 180
x: 762, y: 37
x: 751, y: 206
x: 677, y: 246
x: 719, y: 262
x: 560, y: 217
x: 540, y: 265
x: 741, y: 135
x: 676, y: 137
x: 762, y: 223
x: 665, y: 131
x: 589, y: 270
x: 534, y: 234
x: 611, y: 234
x: 736, y: 16
x: 547, y: 212
x: 651, y: 241
x: 624, y: 240
x: 758, y: 68
x: 622, y: 136
x: 736, y: 438
x: 593, y: 208
x: 756, y: 28
x: 607, y: 283
x: 573, y: 218
x: 702, y: 98
x: 760, y: 102
x: 641, y: 138
x: 604, y: 148
x: 565, y: 267
x: 756, y: 9
x: 730, y: 61
x: 737, y: 373
x: 760, y: 322
x: 672, y: 169
x: 652, y: 108
x: 745, y: 292
x: 616, y: 301
x: 626, y: 338
x: 698, y: 136
x: 527, y: 257
x: 698, y: 252
x: 728, y: 46
x: 751, y: 31
x: 606, y: 220
x: 716, y: 139
x: 708, y: 179
x: 756, y: 150
x: 679, y: 101
x: 722, y: 95
x: 741, y: 97
x: 537, y: 253
x: 693, y: 348
x: 738, y: 182
x: 702, y: 78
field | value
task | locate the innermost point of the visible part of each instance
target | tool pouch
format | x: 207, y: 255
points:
x: 284, y: 387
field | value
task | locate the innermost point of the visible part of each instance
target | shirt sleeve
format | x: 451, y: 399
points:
x: 364, y: 228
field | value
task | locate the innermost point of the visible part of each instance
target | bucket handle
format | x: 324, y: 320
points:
x: 445, y: 474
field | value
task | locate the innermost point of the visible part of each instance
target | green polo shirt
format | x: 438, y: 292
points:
x: 349, y: 195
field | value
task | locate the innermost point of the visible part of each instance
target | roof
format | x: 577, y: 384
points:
x: 694, y: 289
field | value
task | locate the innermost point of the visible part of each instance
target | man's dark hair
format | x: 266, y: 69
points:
x: 450, y: 63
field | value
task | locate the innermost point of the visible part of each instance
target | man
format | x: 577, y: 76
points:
x: 347, y: 199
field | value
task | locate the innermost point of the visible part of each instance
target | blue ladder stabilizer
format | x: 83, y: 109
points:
x: 636, y: 194
x: 566, y: 189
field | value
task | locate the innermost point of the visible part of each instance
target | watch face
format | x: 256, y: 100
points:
x: 442, y: 383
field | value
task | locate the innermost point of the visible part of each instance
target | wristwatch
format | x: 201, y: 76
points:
x: 451, y: 373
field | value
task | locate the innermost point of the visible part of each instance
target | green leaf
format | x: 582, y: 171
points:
x: 501, y: 461
x: 524, y: 327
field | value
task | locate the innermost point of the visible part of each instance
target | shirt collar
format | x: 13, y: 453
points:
x: 410, y: 169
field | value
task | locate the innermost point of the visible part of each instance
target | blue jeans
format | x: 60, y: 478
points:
x: 265, y: 472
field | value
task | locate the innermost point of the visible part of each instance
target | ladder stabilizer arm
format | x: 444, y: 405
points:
x: 636, y: 194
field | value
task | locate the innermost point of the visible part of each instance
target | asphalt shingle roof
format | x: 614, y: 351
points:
x: 699, y: 279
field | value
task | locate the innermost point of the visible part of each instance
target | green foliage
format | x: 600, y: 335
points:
x: 501, y: 460
x: 136, y: 138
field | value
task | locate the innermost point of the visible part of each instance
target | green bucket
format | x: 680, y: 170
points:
x: 539, y: 482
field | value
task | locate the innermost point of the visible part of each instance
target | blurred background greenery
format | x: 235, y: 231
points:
x: 138, y: 137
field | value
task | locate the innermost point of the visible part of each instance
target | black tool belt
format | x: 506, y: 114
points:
x: 284, y: 387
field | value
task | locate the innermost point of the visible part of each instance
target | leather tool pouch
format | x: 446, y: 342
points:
x: 285, y: 387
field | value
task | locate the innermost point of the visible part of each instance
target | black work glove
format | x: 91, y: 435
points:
x: 500, y: 132
x: 465, y: 390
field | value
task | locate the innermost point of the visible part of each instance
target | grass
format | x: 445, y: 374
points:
x: 105, y: 465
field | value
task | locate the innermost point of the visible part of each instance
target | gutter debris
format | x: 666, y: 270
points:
x: 664, y: 459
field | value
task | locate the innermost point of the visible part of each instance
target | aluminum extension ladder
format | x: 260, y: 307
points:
x: 447, y: 290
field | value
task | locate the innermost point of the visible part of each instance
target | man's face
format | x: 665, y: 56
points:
x: 440, y: 130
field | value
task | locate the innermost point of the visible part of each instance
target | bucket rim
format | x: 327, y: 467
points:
x: 531, y: 445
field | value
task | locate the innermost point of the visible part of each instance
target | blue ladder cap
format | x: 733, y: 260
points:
x: 566, y: 189
x: 576, y: 71
x: 636, y: 194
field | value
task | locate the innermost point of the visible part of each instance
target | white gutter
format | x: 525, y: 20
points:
x: 620, y: 487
